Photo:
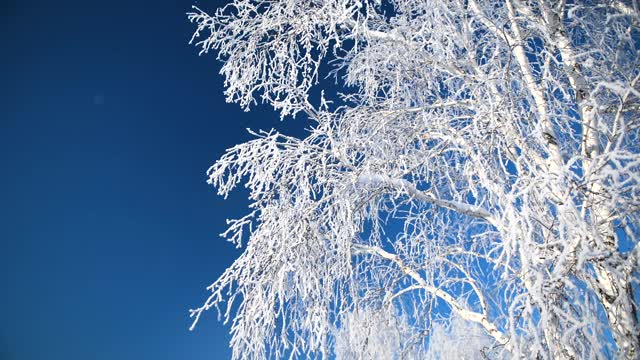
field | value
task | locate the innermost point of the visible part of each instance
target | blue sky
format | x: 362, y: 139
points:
x: 109, y: 120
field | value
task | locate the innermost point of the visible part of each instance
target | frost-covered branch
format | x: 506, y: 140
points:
x: 480, y: 318
x: 412, y: 191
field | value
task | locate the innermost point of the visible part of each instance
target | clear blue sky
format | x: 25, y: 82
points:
x: 109, y: 232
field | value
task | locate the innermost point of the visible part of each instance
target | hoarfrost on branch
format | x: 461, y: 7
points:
x: 479, y: 170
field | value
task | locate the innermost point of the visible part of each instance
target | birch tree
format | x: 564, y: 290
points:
x: 479, y: 162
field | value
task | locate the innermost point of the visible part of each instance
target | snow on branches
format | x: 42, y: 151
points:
x: 480, y: 168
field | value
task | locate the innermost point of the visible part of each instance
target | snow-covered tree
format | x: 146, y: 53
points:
x: 480, y: 162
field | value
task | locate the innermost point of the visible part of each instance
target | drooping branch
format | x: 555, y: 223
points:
x: 466, y: 314
x: 412, y: 191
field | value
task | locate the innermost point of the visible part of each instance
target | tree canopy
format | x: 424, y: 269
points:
x: 478, y: 169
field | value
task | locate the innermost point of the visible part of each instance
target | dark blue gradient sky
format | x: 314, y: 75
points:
x: 109, y: 120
